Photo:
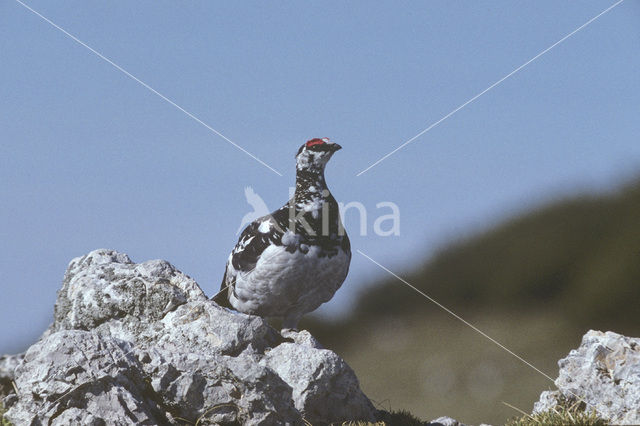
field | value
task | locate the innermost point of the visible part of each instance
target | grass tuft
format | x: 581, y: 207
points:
x: 396, y: 418
x: 563, y: 414
x: 3, y: 421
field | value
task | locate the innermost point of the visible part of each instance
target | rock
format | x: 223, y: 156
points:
x: 448, y: 421
x: 220, y: 388
x: 445, y: 421
x: 106, y: 292
x: 142, y: 344
x: 77, y: 377
x: 604, y: 373
x: 319, y: 379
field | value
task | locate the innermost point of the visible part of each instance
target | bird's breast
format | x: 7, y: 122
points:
x: 283, y: 278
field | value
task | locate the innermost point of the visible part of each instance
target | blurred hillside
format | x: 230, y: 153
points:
x: 581, y: 256
x: 536, y: 283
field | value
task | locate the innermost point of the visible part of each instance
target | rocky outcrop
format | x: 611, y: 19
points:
x: 142, y: 344
x: 603, y: 374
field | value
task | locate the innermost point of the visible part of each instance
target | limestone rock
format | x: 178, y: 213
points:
x: 319, y: 379
x: 106, y: 292
x: 78, y: 377
x: 604, y: 372
x: 142, y: 344
x: 445, y: 421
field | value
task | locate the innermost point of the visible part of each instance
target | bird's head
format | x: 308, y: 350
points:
x: 314, y: 154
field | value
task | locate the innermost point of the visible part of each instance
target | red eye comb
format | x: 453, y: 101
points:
x: 316, y: 141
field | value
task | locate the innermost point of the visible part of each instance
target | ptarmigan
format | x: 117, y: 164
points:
x: 291, y: 261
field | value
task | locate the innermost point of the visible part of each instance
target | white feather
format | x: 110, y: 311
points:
x: 282, y: 281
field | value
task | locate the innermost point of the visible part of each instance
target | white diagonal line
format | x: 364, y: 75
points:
x: 221, y: 290
x: 491, y: 87
x: 482, y: 333
x: 458, y: 317
x: 151, y: 89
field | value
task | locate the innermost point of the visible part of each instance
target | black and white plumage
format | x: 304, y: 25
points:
x: 291, y: 261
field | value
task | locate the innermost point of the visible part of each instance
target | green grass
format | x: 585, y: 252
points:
x: 563, y: 414
x: 567, y: 415
x: 3, y: 421
x: 396, y: 418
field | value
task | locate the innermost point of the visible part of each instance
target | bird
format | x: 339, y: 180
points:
x: 289, y: 262
x: 259, y: 208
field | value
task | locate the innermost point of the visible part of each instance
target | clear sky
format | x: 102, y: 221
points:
x: 91, y: 159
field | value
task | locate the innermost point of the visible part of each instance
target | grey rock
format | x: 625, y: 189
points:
x: 107, y: 293
x: 76, y: 377
x: 219, y: 388
x: 603, y: 373
x: 319, y: 379
x: 203, y: 326
x: 142, y: 344
x: 445, y: 421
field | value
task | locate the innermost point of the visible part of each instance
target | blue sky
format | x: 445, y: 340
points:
x: 90, y: 159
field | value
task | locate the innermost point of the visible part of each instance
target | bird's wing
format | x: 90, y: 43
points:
x: 252, y: 243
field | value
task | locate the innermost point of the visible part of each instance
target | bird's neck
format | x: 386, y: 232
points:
x: 310, y: 184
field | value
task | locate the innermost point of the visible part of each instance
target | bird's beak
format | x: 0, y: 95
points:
x: 335, y: 147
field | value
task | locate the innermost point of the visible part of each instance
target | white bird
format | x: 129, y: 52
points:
x: 291, y: 261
